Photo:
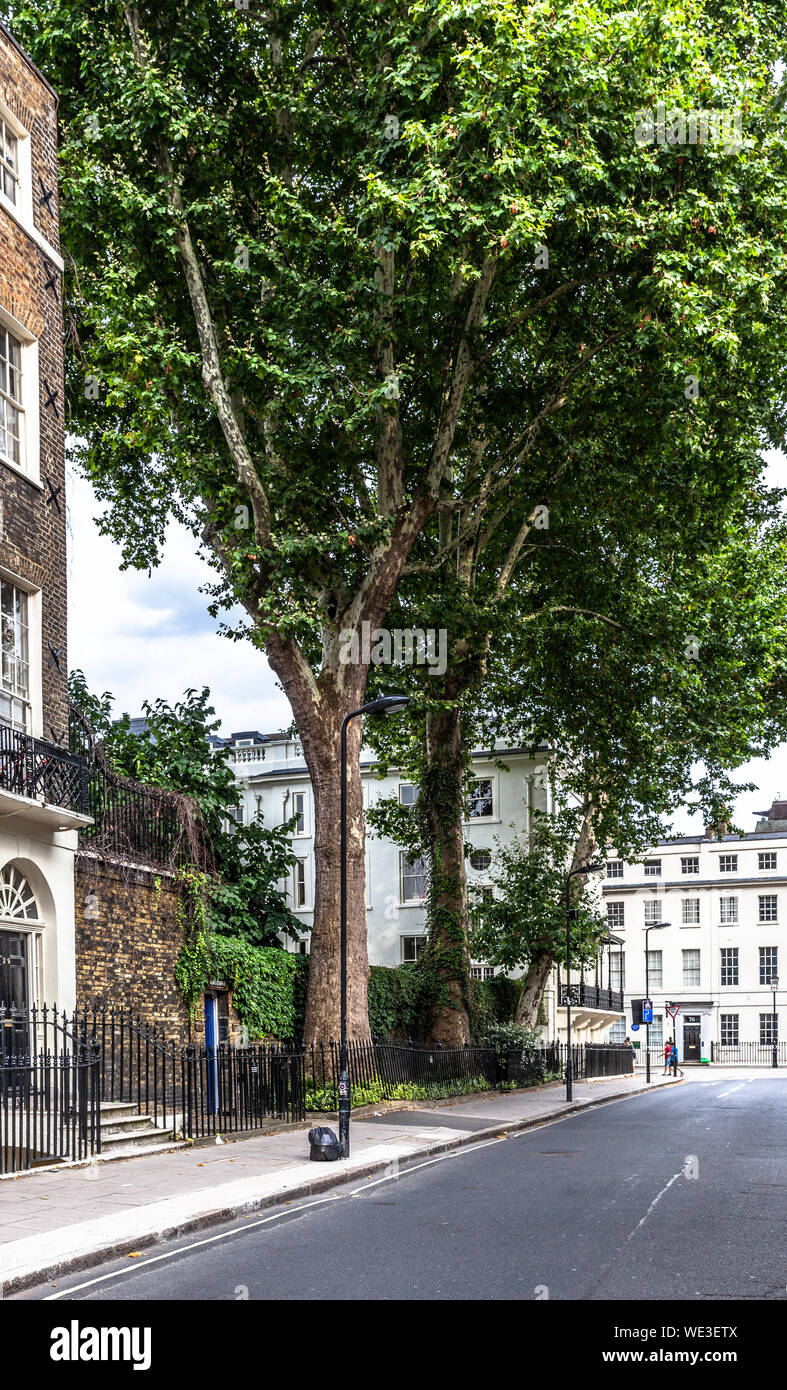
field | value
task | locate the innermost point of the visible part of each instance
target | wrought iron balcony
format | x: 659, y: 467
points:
x: 43, y: 772
x: 586, y: 996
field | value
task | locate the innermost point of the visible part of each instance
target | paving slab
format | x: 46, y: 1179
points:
x: 59, y: 1220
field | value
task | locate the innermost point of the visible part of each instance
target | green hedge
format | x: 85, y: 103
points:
x: 269, y: 993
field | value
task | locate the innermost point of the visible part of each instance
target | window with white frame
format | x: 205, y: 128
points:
x: 690, y: 864
x: 408, y: 794
x: 653, y: 868
x: 411, y: 948
x: 729, y: 966
x: 614, y: 868
x: 299, y: 883
x: 729, y: 1030
x: 655, y: 977
x: 768, y: 905
x: 481, y: 972
x: 481, y: 799
x: 299, y: 811
x: 657, y: 1031
x: 12, y: 414
x: 691, y: 969
x: 15, y: 706
x: 616, y: 915
x: 653, y: 911
x: 617, y: 970
x: 617, y: 1032
x: 728, y: 910
x: 767, y: 860
x: 690, y: 912
x: 9, y: 161
x: 769, y: 963
x: 728, y: 863
x: 413, y: 879
x: 769, y: 1029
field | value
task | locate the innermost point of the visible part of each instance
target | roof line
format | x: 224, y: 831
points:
x: 17, y: 45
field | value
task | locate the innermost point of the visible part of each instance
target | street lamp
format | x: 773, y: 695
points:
x: 774, y: 987
x: 585, y: 869
x: 386, y: 704
x: 652, y: 926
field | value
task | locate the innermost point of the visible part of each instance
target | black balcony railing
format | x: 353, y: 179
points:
x: 591, y: 997
x: 150, y: 825
x: 43, y: 771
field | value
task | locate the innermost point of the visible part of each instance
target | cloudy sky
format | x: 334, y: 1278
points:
x: 143, y: 637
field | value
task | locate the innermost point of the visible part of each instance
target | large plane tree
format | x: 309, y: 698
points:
x: 332, y: 271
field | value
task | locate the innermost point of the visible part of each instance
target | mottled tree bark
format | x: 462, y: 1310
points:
x: 447, y: 948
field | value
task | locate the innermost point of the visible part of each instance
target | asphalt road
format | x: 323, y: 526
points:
x: 679, y: 1194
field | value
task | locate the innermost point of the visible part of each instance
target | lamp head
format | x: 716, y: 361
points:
x: 386, y: 704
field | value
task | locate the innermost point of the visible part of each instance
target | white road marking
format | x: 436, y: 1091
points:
x: 656, y: 1199
x: 193, y: 1245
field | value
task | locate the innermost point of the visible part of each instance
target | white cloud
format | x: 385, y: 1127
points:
x: 146, y: 637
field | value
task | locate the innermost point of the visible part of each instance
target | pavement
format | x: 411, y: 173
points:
x: 63, y: 1219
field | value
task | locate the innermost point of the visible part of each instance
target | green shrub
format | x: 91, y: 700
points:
x: 374, y: 1092
x: 268, y: 985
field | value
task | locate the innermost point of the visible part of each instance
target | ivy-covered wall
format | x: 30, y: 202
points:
x: 268, y: 988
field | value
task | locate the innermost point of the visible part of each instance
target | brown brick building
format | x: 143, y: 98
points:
x: 42, y: 787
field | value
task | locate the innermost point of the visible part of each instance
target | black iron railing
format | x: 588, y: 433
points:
x: 195, y: 1090
x: 43, y: 771
x: 756, y: 1054
x: 130, y: 820
x: 49, y: 1085
x: 386, y: 1069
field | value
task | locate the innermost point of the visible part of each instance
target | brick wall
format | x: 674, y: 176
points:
x: 33, y: 529
x: 127, y: 943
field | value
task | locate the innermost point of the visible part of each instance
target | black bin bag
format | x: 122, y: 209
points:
x: 324, y: 1147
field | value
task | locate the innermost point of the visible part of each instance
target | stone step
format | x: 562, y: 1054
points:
x: 139, y: 1150
x: 121, y: 1124
x: 134, y: 1138
x: 117, y: 1108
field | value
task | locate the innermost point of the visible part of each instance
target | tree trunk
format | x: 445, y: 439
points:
x: 320, y: 706
x: 538, y: 972
x: 447, y: 949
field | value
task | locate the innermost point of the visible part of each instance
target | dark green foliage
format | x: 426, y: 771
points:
x: 243, y: 893
x: 268, y: 986
x: 494, y: 1002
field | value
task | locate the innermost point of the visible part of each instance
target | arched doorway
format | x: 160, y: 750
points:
x: 19, y: 922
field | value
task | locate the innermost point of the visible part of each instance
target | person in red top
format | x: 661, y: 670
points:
x: 667, y: 1052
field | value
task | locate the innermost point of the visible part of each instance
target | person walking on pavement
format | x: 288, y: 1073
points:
x: 674, y: 1059
x: 667, y: 1057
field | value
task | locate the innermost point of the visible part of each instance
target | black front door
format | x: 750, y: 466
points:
x: 13, y: 991
x: 691, y: 1042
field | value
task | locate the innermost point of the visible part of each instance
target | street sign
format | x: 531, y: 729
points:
x: 673, y: 1010
x: 647, y: 1011
x: 635, y: 1027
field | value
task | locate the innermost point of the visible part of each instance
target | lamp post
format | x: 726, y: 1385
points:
x: 387, y: 704
x: 774, y: 987
x: 653, y: 926
x: 585, y: 869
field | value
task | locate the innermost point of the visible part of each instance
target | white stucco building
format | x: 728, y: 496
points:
x: 274, y: 782
x: 726, y: 903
